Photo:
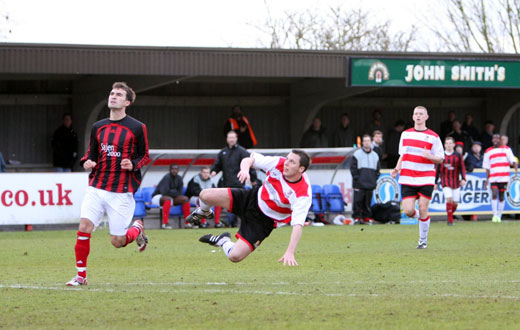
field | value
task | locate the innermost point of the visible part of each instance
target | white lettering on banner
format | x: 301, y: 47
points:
x: 478, y: 73
x: 426, y: 72
x: 41, y: 198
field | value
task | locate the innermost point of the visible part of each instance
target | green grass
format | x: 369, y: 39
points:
x: 349, y: 278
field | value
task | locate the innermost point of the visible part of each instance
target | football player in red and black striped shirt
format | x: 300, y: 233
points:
x: 117, y: 150
x: 453, y: 175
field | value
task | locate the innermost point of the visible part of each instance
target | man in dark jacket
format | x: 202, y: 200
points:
x: 343, y: 135
x: 315, y: 136
x: 169, y: 192
x: 64, y: 146
x: 392, y: 143
x: 198, y: 183
x: 365, y: 172
x: 228, y: 161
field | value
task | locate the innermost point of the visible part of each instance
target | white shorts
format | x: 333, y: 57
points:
x: 119, y: 207
x: 156, y: 199
x: 451, y: 193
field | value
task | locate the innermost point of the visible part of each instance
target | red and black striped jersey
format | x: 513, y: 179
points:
x: 451, y: 170
x: 111, y: 142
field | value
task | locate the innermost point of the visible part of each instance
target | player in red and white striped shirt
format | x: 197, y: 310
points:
x: 497, y: 161
x: 285, y: 197
x: 420, y: 149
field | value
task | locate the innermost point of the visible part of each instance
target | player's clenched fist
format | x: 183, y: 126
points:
x: 126, y: 164
x: 89, y: 164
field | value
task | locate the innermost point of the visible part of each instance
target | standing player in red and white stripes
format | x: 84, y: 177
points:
x: 285, y: 197
x: 420, y: 149
x: 497, y: 161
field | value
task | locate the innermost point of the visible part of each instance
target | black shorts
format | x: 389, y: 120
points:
x: 408, y: 191
x: 501, y: 186
x: 255, y: 226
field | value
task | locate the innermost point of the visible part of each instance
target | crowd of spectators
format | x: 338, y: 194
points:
x: 468, y: 139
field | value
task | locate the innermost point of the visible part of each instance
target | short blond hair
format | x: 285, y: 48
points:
x: 130, y: 94
x: 420, y: 107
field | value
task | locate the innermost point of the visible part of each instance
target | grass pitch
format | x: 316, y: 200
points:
x: 349, y: 277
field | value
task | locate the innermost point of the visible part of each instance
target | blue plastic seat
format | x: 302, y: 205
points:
x: 333, y: 198
x: 318, y: 202
x: 140, y: 207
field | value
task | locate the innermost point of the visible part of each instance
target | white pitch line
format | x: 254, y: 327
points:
x: 233, y: 291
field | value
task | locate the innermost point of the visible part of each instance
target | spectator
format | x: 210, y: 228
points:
x: 475, y: 158
x: 487, y: 135
x: 504, y: 141
x: 392, y: 144
x: 195, y: 186
x: 377, y: 144
x: 238, y: 122
x: 64, y: 146
x: 447, y: 125
x: 460, y: 136
x: 343, y: 135
x: 365, y: 172
x: 3, y: 167
x: 375, y: 125
x: 469, y: 128
x: 315, y: 136
x: 228, y: 161
x: 169, y: 192
x: 459, y: 147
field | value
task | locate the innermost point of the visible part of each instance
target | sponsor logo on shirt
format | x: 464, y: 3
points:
x: 110, y: 150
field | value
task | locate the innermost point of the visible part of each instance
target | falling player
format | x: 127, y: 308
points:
x: 497, y: 161
x: 420, y: 149
x: 452, y: 173
x: 284, y: 198
x: 117, y: 150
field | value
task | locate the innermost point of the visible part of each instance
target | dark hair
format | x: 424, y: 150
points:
x: 66, y: 114
x: 130, y: 94
x: 374, y: 133
x: 204, y: 168
x: 366, y: 135
x: 400, y: 122
x: 449, y: 138
x: 345, y: 115
x: 489, y: 122
x: 305, y: 159
x: 173, y: 165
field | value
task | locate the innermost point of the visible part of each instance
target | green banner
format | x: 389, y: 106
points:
x: 433, y: 73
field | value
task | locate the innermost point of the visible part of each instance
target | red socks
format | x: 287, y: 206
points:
x: 131, y: 234
x: 82, y: 250
x: 450, y: 210
x: 186, y: 209
x: 218, y: 210
x: 166, y: 211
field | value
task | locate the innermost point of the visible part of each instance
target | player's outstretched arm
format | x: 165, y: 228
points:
x: 245, y: 165
x: 288, y: 257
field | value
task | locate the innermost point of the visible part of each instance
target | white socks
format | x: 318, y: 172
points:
x: 424, y: 227
x: 203, y: 206
x: 494, y: 206
x: 501, y: 205
x: 227, y: 247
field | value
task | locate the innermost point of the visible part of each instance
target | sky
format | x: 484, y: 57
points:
x: 174, y: 23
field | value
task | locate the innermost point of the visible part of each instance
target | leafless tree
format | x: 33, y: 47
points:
x: 339, y: 29
x: 478, y: 26
x: 5, y: 22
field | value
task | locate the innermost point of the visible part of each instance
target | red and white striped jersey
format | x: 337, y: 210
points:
x: 417, y: 170
x: 279, y: 199
x: 498, y: 161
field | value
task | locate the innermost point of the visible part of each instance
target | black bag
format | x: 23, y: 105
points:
x: 386, y: 212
